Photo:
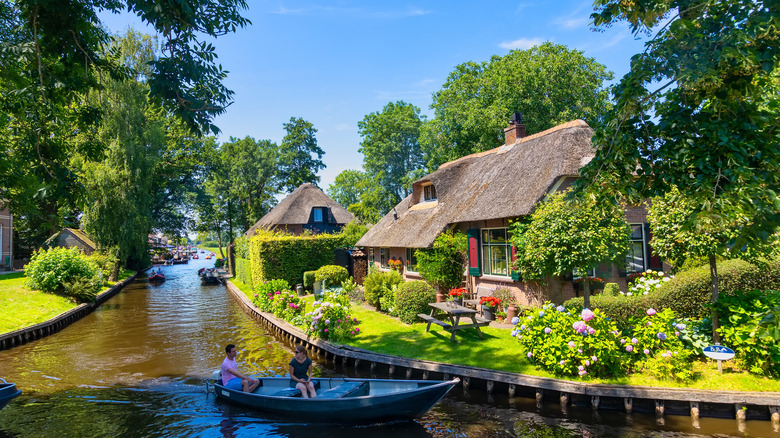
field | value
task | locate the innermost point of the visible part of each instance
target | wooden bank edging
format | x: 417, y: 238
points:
x: 693, y: 402
x: 42, y: 329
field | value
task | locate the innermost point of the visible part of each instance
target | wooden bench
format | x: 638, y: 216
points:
x: 291, y: 392
x: 432, y: 320
x: 346, y: 389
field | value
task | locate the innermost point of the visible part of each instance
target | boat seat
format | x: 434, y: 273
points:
x: 346, y: 389
x: 292, y: 392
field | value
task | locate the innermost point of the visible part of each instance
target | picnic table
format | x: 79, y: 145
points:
x: 453, y: 314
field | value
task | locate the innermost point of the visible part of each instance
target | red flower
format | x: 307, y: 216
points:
x: 457, y: 292
x: 490, y: 301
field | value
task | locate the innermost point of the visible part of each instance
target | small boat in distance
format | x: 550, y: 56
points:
x: 342, y: 399
x: 8, y: 392
x: 209, y: 276
x: 157, y: 277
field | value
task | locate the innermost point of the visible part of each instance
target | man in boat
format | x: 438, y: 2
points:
x: 300, y: 373
x: 231, y: 378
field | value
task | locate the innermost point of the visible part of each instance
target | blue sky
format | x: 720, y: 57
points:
x: 334, y: 62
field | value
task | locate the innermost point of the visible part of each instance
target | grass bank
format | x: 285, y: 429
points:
x: 30, y: 307
x: 499, y: 351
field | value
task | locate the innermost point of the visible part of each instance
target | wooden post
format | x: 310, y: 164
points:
x: 408, y: 373
x: 489, y: 388
x: 594, y: 402
x: 425, y: 375
x: 357, y: 362
x: 466, y: 382
x: 539, y: 396
x: 628, y: 404
x: 391, y: 370
x: 512, y: 389
x: 659, y: 408
x: 774, y: 414
x: 372, y: 368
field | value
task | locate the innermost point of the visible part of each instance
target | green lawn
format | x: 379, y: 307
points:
x: 30, y: 306
x: 498, y: 350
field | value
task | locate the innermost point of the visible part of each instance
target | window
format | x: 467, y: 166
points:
x: 384, y: 256
x: 429, y: 192
x: 635, y: 260
x: 496, y: 251
x: 411, y: 260
x: 318, y: 214
x: 371, y: 259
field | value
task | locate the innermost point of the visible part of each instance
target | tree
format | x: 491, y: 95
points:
x: 549, y: 84
x: 362, y: 195
x: 249, y: 175
x: 443, y: 264
x: 391, y: 146
x: 297, y: 165
x: 564, y: 235
x: 698, y: 113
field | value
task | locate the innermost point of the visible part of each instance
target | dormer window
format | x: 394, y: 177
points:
x: 429, y: 193
x: 318, y: 214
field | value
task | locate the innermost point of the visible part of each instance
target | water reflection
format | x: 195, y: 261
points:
x: 136, y: 368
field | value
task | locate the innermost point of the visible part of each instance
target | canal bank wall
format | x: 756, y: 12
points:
x: 661, y: 401
x: 40, y: 330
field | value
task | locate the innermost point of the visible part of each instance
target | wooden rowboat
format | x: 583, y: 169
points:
x: 8, y: 392
x: 342, y: 399
x: 157, y: 278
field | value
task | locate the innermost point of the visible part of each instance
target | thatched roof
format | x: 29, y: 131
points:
x: 504, y: 182
x: 295, y: 209
x: 82, y: 236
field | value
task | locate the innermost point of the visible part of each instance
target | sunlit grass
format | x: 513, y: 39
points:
x: 499, y: 351
x: 24, y: 307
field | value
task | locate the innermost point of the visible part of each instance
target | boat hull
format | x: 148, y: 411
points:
x: 8, y: 392
x: 400, y: 400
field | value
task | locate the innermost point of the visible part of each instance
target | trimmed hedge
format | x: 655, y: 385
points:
x: 287, y: 257
x: 331, y: 275
x: 309, y: 279
x: 412, y: 298
x: 244, y: 272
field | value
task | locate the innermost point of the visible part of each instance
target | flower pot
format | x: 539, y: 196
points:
x: 458, y: 301
x: 511, y: 312
x: 440, y: 297
x: 299, y: 289
x: 487, y: 313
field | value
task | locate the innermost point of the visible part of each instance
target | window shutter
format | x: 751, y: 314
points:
x: 653, y: 261
x: 515, y: 275
x: 475, y: 265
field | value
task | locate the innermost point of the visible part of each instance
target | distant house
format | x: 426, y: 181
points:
x: 71, y: 237
x: 306, y: 208
x: 6, y: 238
x: 480, y: 194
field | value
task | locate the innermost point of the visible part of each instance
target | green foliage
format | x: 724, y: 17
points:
x: 362, y: 194
x: 377, y: 284
x: 564, y: 235
x: 218, y: 263
x: 391, y: 148
x: 107, y: 264
x: 388, y: 301
x: 412, y: 298
x: 54, y: 269
x: 475, y: 103
x: 695, y: 114
x: 309, y: 279
x: 549, y: 338
x: 444, y: 263
x: 332, y: 321
x: 244, y: 272
x: 352, y: 232
x: 287, y: 257
x: 353, y: 290
x: 690, y: 292
x: 743, y: 311
x: 331, y: 275
x: 643, y: 283
x: 83, y: 289
x: 619, y: 308
x: 611, y: 290
x: 287, y: 305
x: 266, y: 291
x: 296, y: 164
x: 242, y: 247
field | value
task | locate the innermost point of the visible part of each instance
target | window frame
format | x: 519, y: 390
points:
x: 411, y: 260
x: 384, y: 257
x: 322, y: 215
x: 643, y: 242
x: 486, y: 258
x: 427, y: 191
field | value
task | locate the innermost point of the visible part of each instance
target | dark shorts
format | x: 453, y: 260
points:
x: 234, y: 383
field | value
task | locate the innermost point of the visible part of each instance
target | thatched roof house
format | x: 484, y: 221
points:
x: 306, y: 208
x: 480, y: 193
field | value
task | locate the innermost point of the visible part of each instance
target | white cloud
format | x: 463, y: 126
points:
x: 522, y: 43
x: 573, y: 23
x: 284, y: 11
x: 425, y: 82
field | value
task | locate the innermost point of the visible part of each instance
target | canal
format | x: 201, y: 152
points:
x: 136, y: 367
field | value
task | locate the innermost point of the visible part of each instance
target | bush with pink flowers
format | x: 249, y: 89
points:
x: 331, y: 321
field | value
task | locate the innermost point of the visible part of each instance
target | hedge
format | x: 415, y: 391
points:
x: 412, y: 298
x: 276, y: 256
x: 244, y: 272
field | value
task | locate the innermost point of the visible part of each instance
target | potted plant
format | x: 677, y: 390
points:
x: 456, y: 295
x: 504, y: 294
x: 489, y: 306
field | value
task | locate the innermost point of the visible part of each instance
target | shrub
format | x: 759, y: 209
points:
x: 265, y: 292
x: 387, y: 302
x: 443, y: 264
x: 352, y: 232
x: 218, y: 263
x: 620, y: 309
x: 412, y: 298
x: 379, y: 283
x: 331, y: 275
x: 610, y: 290
x: 353, y: 290
x: 51, y: 270
x: 286, y: 304
x: 82, y: 289
x: 308, y: 279
x: 107, y: 264
x: 741, y: 314
x: 331, y: 321
x: 690, y: 292
x: 504, y: 294
x: 645, y: 282
x: 244, y: 272
x: 656, y: 346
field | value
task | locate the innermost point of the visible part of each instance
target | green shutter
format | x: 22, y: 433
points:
x: 475, y: 261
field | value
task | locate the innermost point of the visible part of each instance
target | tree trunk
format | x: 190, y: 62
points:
x: 714, y: 276
x: 586, y: 292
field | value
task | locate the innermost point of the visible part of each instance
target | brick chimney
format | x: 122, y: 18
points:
x: 515, y: 130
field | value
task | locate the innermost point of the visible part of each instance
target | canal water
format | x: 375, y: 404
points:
x: 136, y: 367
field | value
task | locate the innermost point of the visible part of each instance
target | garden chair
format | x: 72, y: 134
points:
x: 482, y: 291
